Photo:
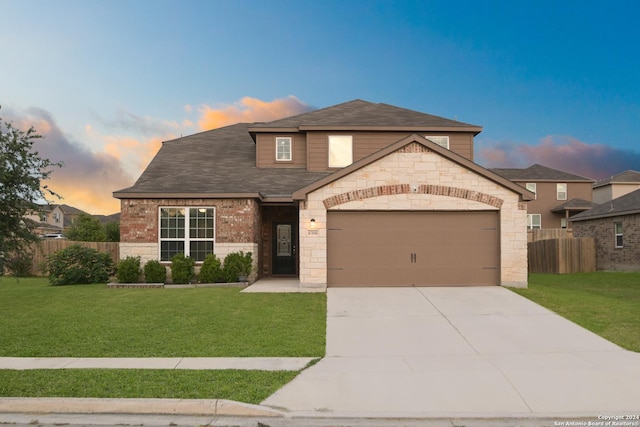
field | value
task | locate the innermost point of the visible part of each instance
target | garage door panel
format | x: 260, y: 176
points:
x: 413, y: 248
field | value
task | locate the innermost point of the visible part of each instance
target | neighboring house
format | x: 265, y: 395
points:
x: 55, y: 218
x: 616, y: 186
x: 559, y: 195
x: 615, y: 226
x: 357, y: 194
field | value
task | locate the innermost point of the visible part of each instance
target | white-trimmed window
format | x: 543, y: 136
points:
x: 340, y: 151
x: 284, y: 152
x: 532, y: 186
x: 561, y: 191
x: 534, y: 221
x: 187, y: 230
x: 617, y: 227
x: 442, y: 141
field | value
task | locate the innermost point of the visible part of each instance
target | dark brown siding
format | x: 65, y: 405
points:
x: 413, y: 248
x: 366, y: 143
x: 266, y: 151
x: 546, y: 200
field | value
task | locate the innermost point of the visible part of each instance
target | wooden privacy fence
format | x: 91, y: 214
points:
x: 566, y: 255
x: 548, y: 233
x: 46, y: 247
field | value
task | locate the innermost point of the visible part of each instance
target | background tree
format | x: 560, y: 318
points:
x: 112, y: 231
x: 22, y: 172
x: 86, y: 228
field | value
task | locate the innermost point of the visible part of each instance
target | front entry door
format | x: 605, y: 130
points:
x: 285, y: 241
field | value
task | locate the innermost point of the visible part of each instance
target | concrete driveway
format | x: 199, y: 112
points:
x: 462, y: 352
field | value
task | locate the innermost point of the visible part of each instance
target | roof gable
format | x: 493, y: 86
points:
x: 302, y: 192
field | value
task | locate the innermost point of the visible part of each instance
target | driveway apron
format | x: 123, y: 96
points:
x: 466, y: 352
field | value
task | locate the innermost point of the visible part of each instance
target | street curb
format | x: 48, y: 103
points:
x: 64, y: 405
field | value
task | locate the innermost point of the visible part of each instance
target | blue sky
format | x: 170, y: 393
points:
x: 551, y: 82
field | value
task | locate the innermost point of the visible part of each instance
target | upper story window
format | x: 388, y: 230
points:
x: 340, y: 150
x: 190, y: 231
x: 561, y: 191
x: 442, y: 141
x: 284, y: 152
x: 532, y: 186
x: 618, y: 233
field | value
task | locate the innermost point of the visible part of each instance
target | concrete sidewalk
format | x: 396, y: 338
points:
x: 473, y: 352
x: 196, y: 363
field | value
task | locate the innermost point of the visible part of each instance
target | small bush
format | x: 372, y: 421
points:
x: 79, y: 265
x: 129, y: 270
x: 211, y: 270
x: 237, y: 264
x: 19, y: 265
x: 182, y: 269
x: 154, y: 272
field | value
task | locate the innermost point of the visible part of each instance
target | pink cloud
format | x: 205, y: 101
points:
x: 250, y: 110
x: 565, y: 153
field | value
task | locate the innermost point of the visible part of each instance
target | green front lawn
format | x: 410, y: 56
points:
x: 605, y: 303
x: 243, y: 386
x: 93, y: 321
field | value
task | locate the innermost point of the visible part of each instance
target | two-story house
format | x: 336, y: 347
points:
x: 558, y: 195
x: 616, y: 186
x: 55, y: 218
x: 357, y: 194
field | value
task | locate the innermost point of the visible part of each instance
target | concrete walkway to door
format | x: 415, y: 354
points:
x: 459, y: 352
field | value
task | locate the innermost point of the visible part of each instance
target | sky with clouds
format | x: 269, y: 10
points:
x: 106, y: 81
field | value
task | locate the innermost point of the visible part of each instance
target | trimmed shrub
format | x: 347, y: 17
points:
x: 237, y: 264
x: 154, y: 272
x: 129, y: 270
x: 79, y: 265
x: 211, y: 270
x: 182, y: 269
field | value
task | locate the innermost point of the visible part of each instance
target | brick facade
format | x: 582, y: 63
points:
x: 237, y: 225
x: 608, y: 257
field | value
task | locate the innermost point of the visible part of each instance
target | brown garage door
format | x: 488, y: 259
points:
x: 413, y: 248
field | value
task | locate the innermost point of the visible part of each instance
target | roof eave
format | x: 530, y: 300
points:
x: 475, y: 129
x: 145, y: 195
x: 344, y: 128
x: 606, y: 215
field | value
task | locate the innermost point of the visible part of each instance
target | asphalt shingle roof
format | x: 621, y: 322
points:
x: 217, y: 161
x: 624, y: 205
x: 574, y: 204
x: 626, y: 177
x: 538, y: 173
x: 359, y: 113
x: 223, y: 160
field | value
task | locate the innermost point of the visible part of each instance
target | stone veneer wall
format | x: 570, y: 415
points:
x: 608, y: 257
x: 237, y: 226
x: 413, y: 178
